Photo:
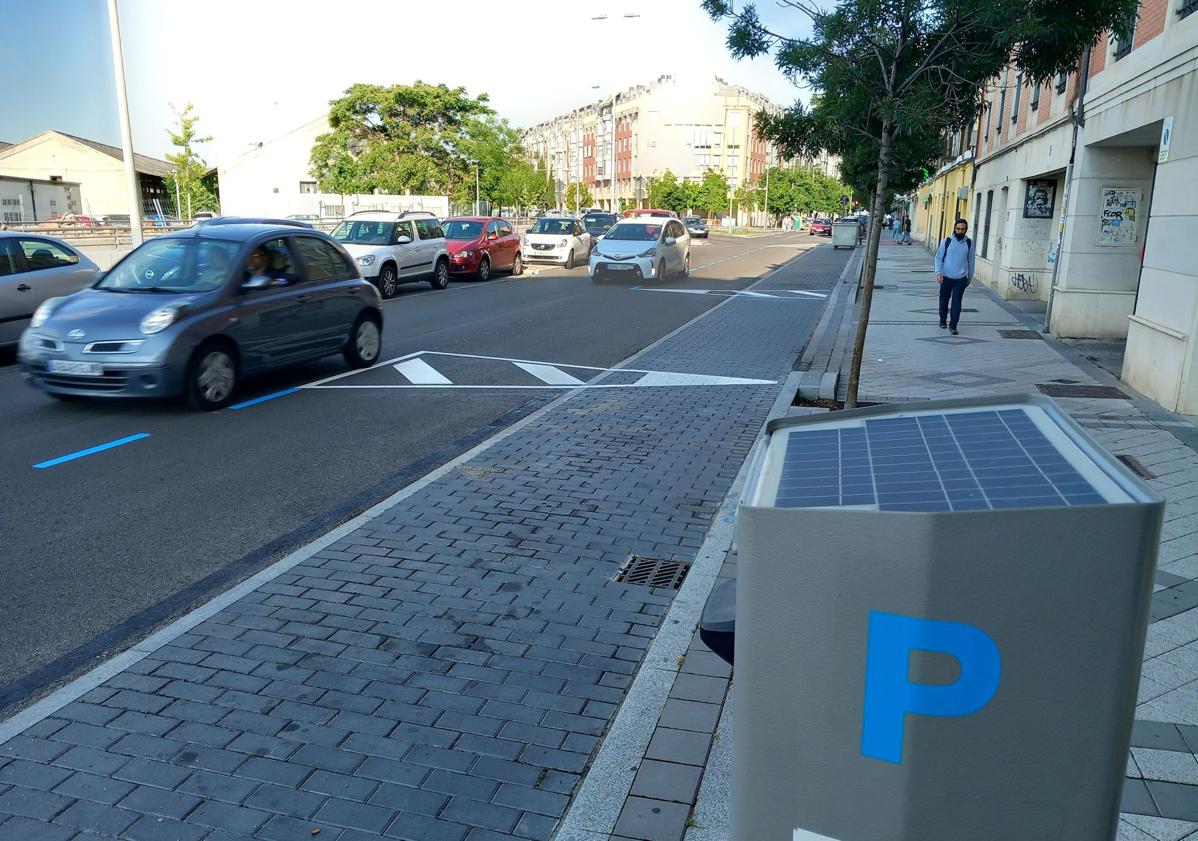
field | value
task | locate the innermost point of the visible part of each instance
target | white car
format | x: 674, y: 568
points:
x: 557, y: 239
x: 643, y: 248
x: 394, y: 248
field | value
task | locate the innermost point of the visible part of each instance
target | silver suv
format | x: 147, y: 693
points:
x: 395, y: 248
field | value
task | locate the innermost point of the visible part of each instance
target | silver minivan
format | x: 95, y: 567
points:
x: 34, y: 268
x: 642, y: 248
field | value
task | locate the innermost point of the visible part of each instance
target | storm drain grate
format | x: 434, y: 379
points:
x: 1136, y: 466
x: 1019, y: 334
x: 653, y: 572
x: 1104, y: 392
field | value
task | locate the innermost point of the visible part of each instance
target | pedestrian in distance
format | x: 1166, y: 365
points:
x: 906, y: 231
x: 954, y: 270
x: 895, y: 229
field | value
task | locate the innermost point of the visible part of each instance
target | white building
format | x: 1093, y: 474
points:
x: 97, y: 168
x: 32, y: 200
x: 274, y: 179
x: 1126, y: 265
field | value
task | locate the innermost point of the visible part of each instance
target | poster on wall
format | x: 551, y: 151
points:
x: 1118, y: 211
x: 1039, y: 200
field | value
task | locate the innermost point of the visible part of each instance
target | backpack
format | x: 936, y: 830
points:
x: 944, y: 250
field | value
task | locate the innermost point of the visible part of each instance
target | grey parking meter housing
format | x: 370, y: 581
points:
x: 940, y: 619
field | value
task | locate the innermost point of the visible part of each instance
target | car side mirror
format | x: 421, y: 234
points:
x: 403, y: 239
x: 671, y: 240
x: 492, y: 235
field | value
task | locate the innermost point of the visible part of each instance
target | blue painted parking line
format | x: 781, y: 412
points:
x: 91, y: 450
x: 247, y: 403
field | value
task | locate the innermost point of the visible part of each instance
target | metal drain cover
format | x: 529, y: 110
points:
x: 1019, y: 334
x: 1104, y: 392
x: 1136, y: 466
x: 653, y: 572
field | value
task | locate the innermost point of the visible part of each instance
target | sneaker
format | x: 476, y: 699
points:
x: 953, y: 331
x: 943, y: 325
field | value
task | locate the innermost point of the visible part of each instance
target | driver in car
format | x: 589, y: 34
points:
x: 256, y: 267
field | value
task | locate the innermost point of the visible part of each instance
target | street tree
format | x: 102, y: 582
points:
x: 711, y: 194
x: 186, y: 180
x: 578, y: 195
x: 892, y: 74
x: 404, y: 139
x: 495, y: 147
x: 666, y: 192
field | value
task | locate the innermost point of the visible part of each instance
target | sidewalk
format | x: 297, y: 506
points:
x: 445, y: 666
x: 1002, y: 350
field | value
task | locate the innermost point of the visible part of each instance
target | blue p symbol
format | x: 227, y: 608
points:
x: 889, y: 696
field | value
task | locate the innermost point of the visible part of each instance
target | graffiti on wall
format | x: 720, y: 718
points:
x: 1029, y: 284
x: 1117, y: 216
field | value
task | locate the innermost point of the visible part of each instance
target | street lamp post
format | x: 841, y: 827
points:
x: 122, y: 101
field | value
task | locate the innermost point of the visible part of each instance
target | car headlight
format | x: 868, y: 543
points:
x: 564, y: 242
x: 159, y: 320
x: 367, y: 260
x: 43, y: 311
x: 649, y: 253
x: 466, y: 253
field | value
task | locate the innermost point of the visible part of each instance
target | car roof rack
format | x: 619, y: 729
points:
x: 404, y: 214
x: 252, y: 220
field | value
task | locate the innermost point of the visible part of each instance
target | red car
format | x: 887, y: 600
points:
x: 821, y: 227
x: 480, y: 245
x: 660, y: 214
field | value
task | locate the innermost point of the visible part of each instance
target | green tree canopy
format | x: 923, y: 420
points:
x: 711, y: 194
x: 666, y: 192
x: 186, y: 181
x: 578, y: 196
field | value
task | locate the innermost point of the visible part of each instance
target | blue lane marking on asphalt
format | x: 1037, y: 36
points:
x: 90, y: 450
x: 247, y: 403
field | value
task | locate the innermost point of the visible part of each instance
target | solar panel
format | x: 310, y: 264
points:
x: 968, y: 460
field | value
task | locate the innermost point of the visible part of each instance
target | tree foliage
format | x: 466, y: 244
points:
x: 711, y: 194
x: 187, y: 180
x: 666, y: 192
x: 892, y: 76
x: 578, y: 196
x: 794, y: 191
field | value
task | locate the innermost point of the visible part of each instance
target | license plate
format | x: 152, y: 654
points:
x: 82, y: 369
x: 618, y: 267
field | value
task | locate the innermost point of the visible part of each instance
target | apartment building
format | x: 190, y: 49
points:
x: 686, y: 126
x: 1123, y: 210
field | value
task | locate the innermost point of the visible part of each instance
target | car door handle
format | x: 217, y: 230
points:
x: 304, y: 299
x: 23, y: 287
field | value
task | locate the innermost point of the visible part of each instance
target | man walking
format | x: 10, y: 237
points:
x: 906, y: 233
x: 954, y: 270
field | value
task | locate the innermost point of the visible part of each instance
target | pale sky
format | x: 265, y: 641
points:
x: 255, y: 69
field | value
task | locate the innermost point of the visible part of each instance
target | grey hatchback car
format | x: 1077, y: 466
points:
x: 193, y: 312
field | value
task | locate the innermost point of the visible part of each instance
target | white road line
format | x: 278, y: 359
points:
x: 420, y: 372
x: 548, y: 374
x: 801, y: 292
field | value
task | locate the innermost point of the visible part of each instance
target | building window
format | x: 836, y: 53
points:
x: 11, y: 217
x: 1015, y: 102
x: 308, y: 187
x: 986, y: 233
x: 733, y: 162
x: 1187, y: 8
x: 53, y: 203
x: 977, y: 210
x: 1035, y: 100
x: 1002, y: 106
x: 1062, y: 81
x: 1123, y: 48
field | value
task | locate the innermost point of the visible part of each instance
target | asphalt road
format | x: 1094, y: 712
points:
x: 98, y: 551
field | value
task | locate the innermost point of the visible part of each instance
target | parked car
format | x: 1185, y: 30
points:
x: 654, y: 212
x: 34, y: 268
x: 395, y: 248
x: 695, y: 226
x: 195, y: 311
x: 78, y: 220
x: 597, y: 222
x: 479, y: 245
x: 304, y: 217
x: 821, y: 227
x: 557, y: 239
x: 643, y: 249
x: 203, y: 216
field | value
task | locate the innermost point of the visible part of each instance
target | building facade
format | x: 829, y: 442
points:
x: 24, y: 200
x: 686, y: 126
x: 946, y: 196
x: 1123, y: 211
x: 274, y: 179
x: 97, y: 169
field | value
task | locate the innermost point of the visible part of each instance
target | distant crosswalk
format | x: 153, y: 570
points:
x: 773, y: 294
x: 435, y: 369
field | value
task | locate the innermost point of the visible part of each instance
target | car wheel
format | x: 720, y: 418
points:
x: 440, y: 278
x: 365, y: 340
x: 211, y: 377
x: 388, y: 282
x: 659, y: 272
x: 518, y: 266
x: 569, y: 264
x: 686, y: 267
x: 484, y: 269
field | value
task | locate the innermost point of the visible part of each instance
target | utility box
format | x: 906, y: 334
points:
x: 940, y: 618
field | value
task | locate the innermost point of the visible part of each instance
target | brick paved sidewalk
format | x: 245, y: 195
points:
x: 1002, y: 350
x: 446, y: 669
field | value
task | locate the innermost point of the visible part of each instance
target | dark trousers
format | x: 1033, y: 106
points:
x: 951, y: 289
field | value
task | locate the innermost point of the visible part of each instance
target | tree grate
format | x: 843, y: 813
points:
x: 652, y: 572
x: 1019, y: 334
x: 1101, y: 392
x: 1135, y: 466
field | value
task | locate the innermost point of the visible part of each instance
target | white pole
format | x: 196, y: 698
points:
x: 767, y: 190
x: 615, y: 98
x: 122, y: 103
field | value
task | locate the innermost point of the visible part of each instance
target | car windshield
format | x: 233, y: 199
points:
x: 463, y: 230
x: 365, y: 233
x: 552, y: 226
x: 599, y: 221
x: 633, y: 231
x: 173, y: 265
x: 693, y: 220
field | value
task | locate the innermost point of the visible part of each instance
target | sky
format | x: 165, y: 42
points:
x: 255, y: 69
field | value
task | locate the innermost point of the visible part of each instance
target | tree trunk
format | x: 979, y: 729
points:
x: 871, y: 264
